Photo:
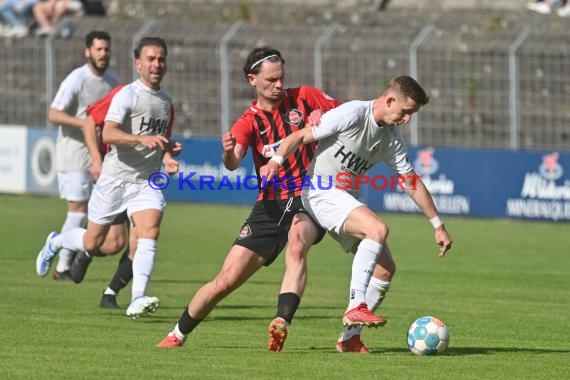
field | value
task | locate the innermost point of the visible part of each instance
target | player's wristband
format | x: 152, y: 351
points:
x: 436, y: 221
x: 278, y: 159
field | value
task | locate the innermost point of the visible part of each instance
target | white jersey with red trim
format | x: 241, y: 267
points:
x: 79, y: 89
x: 351, y: 142
x: 143, y: 111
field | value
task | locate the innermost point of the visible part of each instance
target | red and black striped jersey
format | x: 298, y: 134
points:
x: 262, y: 131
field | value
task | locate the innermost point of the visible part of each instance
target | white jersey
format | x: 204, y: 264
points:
x: 350, y: 141
x: 144, y: 111
x: 79, y: 89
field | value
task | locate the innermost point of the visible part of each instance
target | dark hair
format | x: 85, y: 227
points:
x: 150, y: 41
x: 257, y: 56
x: 96, y: 35
x: 410, y: 88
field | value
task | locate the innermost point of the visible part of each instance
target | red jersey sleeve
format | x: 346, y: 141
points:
x: 318, y: 99
x: 170, y: 122
x: 242, y: 131
x: 98, y: 110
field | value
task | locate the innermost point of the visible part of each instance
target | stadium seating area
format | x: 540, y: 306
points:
x: 466, y: 60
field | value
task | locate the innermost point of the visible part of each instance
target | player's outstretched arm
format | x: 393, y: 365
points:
x: 315, y: 117
x: 92, y: 143
x: 422, y: 197
x: 288, y: 145
x: 113, y: 134
x: 58, y: 117
x: 443, y: 239
x: 171, y: 165
x: 174, y: 147
x: 232, y: 151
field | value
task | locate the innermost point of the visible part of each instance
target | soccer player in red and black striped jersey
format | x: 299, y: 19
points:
x: 278, y: 217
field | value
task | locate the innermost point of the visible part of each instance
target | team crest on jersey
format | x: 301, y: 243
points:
x: 245, y: 232
x: 294, y: 117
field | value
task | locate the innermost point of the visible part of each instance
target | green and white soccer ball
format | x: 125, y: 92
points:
x: 428, y: 336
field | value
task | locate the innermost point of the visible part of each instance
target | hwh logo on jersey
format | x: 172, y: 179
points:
x: 352, y: 163
x: 152, y: 126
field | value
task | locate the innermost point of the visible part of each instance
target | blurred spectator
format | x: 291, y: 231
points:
x: 48, y: 13
x: 540, y: 6
x: 545, y: 7
x: 382, y: 5
x: 379, y: 5
x: 564, y: 10
x: 94, y: 7
x: 14, y: 13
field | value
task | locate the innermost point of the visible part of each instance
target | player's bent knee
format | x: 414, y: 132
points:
x: 150, y: 233
x: 297, y: 250
x: 223, y: 289
x: 92, y: 244
x: 113, y: 247
x: 223, y: 285
x: 300, y: 240
x: 378, y: 232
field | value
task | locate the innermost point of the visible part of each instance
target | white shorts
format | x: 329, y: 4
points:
x: 330, y: 208
x: 75, y: 186
x: 111, y: 196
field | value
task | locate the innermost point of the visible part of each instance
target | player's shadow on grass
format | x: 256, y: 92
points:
x: 455, y: 351
x: 461, y: 351
x: 254, y: 307
x: 263, y: 318
x: 230, y: 307
x: 202, y: 281
x: 161, y: 281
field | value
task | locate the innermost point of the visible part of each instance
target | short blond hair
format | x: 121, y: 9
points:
x: 409, y: 88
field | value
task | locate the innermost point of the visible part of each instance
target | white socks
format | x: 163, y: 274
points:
x: 375, y: 294
x: 73, y: 220
x: 143, y: 264
x: 72, y: 240
x: 176, y: 332
x: 362, y: 268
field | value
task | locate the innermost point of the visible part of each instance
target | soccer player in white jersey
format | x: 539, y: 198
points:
x: 352, y: 138
x: 83, y: 86
x: 138, y: 128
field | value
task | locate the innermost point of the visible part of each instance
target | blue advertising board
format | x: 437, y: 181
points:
x: 203, y: 177
x: 470, y: 182
x: 491, y: 183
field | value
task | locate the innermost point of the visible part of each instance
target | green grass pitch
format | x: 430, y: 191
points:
x: 503, y: 290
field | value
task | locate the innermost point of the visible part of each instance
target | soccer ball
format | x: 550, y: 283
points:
x: 428, y: 336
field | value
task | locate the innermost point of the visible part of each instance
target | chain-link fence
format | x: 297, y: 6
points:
x: 494, y: 83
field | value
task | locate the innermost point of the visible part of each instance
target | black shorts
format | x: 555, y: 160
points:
x: 121, y: 218
x: 266, y: 229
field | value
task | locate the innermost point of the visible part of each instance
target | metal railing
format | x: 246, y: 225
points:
x: 491, y: 86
